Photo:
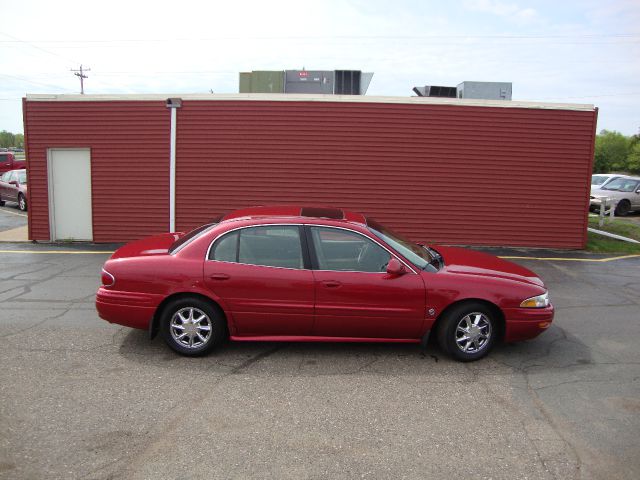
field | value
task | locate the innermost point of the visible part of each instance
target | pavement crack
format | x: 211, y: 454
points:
x: 261, y: 356
x: 161, y: 439
x: 37, y: 324
x: 546, y: 415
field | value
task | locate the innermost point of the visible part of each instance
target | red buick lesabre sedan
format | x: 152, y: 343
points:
x: 320, y: 275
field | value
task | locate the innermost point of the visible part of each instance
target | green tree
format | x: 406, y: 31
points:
x: 6, y: 139
x: 611, y: 151
x: 633, y: 160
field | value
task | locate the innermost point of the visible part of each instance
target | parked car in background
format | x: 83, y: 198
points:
x: 602, y: 179
x: 317, y: 275
x: 13, y: 188
x: 624, y: 192
x: 8, y: 161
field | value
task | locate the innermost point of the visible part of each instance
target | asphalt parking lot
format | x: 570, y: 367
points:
x: 85, y: 399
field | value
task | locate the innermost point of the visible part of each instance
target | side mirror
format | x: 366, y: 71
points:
x: 13, y: 182
x: 394, y: 267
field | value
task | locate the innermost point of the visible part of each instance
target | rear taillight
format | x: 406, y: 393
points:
x: 108, y: 280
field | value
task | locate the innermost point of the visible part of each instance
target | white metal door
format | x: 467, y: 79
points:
x: 70, y: 194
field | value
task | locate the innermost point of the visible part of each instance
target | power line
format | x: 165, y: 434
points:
x: 627, y: 94
x: 321, y: 37
x: 24, y: 79
x: 17, y: 40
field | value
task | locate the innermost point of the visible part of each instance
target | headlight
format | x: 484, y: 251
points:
x: 540, y: 301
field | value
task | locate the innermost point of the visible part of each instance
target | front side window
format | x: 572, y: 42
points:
x: 622, y: 185
x: 343, y: 250
x: 269, y: 246
x: 419, y: 255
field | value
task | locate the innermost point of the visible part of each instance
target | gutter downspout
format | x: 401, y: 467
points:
x: 173, y: 104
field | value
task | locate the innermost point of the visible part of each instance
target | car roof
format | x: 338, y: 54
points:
x: 295, y: 211
x: 628, y: 177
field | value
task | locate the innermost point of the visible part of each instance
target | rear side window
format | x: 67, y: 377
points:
x: 269, y: 246
x: 226, y: 248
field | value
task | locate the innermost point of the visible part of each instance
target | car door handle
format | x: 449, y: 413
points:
x: 331, y: 283
x: 219, y: 276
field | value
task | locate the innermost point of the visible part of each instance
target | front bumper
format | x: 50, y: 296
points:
x: 526, y: 323
x: 130, y: 309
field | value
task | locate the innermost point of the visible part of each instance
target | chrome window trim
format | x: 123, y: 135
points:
x: 393, y: 254
x: 207, y: 259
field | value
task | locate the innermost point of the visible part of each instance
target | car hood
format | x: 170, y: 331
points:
x: 471, y: 262
x: 156, y: 245
x: 608, y: 193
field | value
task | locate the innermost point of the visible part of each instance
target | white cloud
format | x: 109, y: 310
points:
x: 502, y: 9
x: 570, y: 54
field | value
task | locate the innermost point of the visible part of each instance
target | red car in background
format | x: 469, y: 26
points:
x: 317, y: 274
x: 13, y: 188
x: 8, y: 161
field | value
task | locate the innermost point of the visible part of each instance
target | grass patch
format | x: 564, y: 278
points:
x: 601, y: 244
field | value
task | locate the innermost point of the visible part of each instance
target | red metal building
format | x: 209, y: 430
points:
x: 116, y: 168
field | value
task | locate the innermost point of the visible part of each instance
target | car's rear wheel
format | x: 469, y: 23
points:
x: 22, y: 202
x: 468, y: 331
x: 192, y: 326
x: 623, y: 208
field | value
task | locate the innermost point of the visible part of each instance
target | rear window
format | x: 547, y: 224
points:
x: 183, y: 240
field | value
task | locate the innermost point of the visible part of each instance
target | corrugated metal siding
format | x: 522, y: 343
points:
x: 129, y: 144
x: 437, y: 173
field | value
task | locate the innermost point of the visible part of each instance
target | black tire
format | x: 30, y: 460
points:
x: 623, y: 208
x: 451, y: 338
x: 22, y: 202
x: 1, y: 203
x: 202, y: 314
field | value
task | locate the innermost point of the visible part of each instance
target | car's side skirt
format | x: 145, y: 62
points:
x: 310, y: 338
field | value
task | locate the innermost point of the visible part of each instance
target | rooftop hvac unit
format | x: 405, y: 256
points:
x: 347, y: 82
x: 435, y: 91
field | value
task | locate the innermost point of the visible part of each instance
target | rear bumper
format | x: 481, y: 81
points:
x: 130, y: 309
x: 526, y: 323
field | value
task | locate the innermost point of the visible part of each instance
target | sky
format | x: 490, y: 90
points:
x: 552, y: 51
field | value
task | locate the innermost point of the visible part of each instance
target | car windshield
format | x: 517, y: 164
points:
x: 22, y: 178
x: 192, y: 234
x: 598, y: 179
x: 622, y: 185
x: 421, y: 256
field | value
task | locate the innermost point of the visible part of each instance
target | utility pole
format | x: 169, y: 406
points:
x: 80, y: 74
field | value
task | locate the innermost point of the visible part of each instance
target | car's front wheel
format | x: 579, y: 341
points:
x: 468, y: 331
x: 192, y: 326
x: 623, y: 208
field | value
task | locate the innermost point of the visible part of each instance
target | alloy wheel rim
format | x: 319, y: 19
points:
x: 190, y: 327
x: 473, y: 332
x: 22, y: 204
